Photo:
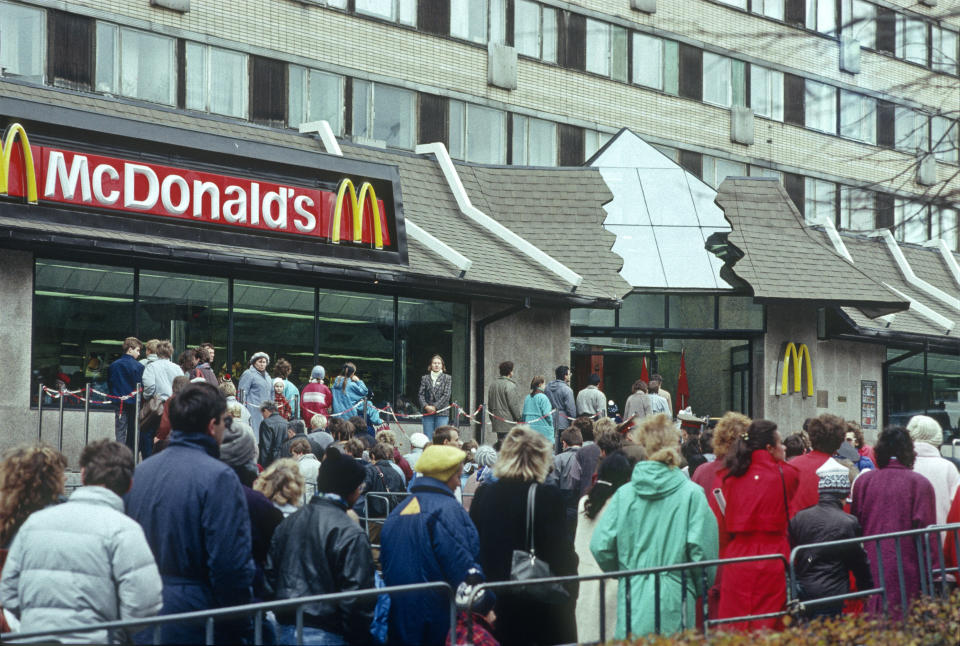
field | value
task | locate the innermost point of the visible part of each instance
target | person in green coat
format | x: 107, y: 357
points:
x: 659, y: 518
x: 537, y: 409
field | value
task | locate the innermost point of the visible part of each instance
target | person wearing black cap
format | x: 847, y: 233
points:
x: 591, y: 400
x: 320, y: 550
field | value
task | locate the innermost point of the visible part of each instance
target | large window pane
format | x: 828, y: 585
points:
x: 526, y: 28
x: 402, y: 11
x: 689, y: 311
x: 534, y: 142
x: 716, y: 80
x: 486, y: 135
x: 81, y: 315
x: 766, y: 92
x: 468, y: 20
x: 394, y: 115
x: 860, y: 22
x: 912, y: 39
x: 858, y: 210
x: 592, y: 317
x: 643, y: 311
x: 943, y: 138
x: 22, y: 41
x: 740, y: 313
x: 188, y: 310
x: 821, y: 16
x: 358, y: 328
x: 910, y: 130
x: 598, y: 47
x: 858, y: 117
x: 147, y: 66
x: 548, y: 38
x: 820, y: 201
x: 427, y: 328
x: 107, y: 69
x: 648, y: 61
x: 820, y: 106
x: 943, y: 50
x: 910, y: 221
x: 228, y: 82
x: 278, y: 320
x: 946, y: 229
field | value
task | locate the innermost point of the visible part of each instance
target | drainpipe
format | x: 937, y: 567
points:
x: 480, y: 341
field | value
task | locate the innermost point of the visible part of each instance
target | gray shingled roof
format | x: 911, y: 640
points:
x: 786, y: 260
x: 558, y: 210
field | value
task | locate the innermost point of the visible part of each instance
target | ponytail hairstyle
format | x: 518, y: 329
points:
x: 535, y: 384
x: 348, y: 371
x: 759, y: 435
x: 614, y: 472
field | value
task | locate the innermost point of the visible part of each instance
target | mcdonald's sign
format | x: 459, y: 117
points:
x: 337, y: 214
x: 29, y: 174
x: 799, y: 358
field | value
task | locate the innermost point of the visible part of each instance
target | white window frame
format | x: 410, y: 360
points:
x: 912, y: 39
x: 522, y: 127
x: 717, y: 67
x: 910, y: 130
x: 469, y: 110
x: 858, y: 209
x: 821, y: 16
x: 593, y: 140
x: 766, y: 92
x: 944, y: 139
x: 370, y: 116
x: 403, y: 12
x: 117, y: 79
x: 944, y: 49
x: 461, y: 25
x: 946, y: 226
x: 547, y: 38
x: 819, y: 200
x: 858, y: 117
x: 301, y: 79
x: 910, y: 221
x: 37, y: 47
x: 209, y: 75
x: 598, y: 60
x: 859, y: 21
x: 820, y: 106
x: 769, y: 8
x: 654, y: 64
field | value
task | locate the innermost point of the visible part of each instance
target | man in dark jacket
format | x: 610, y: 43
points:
x: 123, y: 375
x: 273, y: 433
x: 562, y: 401
x: 429, y: 537
x: 825, y: 573
x: 504, y: 401
x: 194, y: 514
x: 320, y: 550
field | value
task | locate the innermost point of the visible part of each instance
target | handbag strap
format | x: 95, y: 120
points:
x: 531, y: 497
x: 786, y: 504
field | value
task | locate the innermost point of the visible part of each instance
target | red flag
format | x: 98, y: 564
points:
x: 682, y: 397
x: 643, y: 371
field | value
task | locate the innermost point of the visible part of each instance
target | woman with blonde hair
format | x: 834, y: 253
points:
x: 31, y: 478
x: 660, y: 518
x: 499, y: 510
x: 282, y: 483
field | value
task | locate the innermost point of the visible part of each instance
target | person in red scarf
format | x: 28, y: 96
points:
x: 283, y: 405
x: 757, y: 490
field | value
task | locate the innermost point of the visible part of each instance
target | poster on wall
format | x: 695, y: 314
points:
x: 868, y: 404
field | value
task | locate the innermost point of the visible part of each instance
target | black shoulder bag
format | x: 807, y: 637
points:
x: 527, y: 566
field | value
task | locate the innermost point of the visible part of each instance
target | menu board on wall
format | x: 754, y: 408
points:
x: 868, y: 404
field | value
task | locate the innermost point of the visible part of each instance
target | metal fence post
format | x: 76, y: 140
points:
x: 86, y: 417
x: 60, y: 432
x: 136, y: 424
x: 39, y: 413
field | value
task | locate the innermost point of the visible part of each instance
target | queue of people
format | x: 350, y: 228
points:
x: 229, y: 512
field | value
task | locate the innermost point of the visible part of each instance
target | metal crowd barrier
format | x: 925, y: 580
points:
x: 926, y: 541
x: 391, y: 499
x: 255, y: 610
x: 702, y: 569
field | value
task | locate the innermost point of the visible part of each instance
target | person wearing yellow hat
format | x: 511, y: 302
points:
x: 430, y: 537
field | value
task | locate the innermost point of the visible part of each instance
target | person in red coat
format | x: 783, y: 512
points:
x: 826, y: 435
x: 316, y: 398
x: 756, y: 491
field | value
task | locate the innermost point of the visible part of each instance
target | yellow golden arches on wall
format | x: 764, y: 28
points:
x: 13, y: 131
x: 356, y: 206
x: 799, y: 357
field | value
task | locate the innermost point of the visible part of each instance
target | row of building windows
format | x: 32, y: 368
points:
x: 95, y: 55
x: 909, y: 37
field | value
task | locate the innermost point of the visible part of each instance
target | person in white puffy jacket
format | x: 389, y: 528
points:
x: 927, y: 436
x: 83, y: 562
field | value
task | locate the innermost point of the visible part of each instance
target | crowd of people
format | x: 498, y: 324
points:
x: 313, y: 502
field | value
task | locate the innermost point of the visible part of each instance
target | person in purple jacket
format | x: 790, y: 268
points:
x: 123, y: 375
x: 894, y: 498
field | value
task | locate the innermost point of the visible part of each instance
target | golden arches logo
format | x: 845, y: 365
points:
x: 6, y: 156
x: 800, y: 358
x: 357, y: 205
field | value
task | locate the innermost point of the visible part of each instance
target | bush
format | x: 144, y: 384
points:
x: 931, y: 622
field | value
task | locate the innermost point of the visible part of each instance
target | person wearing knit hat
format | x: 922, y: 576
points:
x: 316, y: 398
x: 485, y: 457
x: 418, y: 441
x: 429, y: 537
x: 320, y: 550
x: 256, y: 386
x: 283, y: 404
x: 927, y: 436
x: 824, y: 573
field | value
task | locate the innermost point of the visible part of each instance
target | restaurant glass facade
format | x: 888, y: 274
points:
x: 82, y: 312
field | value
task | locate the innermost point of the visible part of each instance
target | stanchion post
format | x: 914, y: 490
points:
x: 136, y: 425
x: 86, y: 417
x: 39, y: 413
x: 60, y: 432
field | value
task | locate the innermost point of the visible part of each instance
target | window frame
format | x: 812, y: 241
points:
x: 208, y: 77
